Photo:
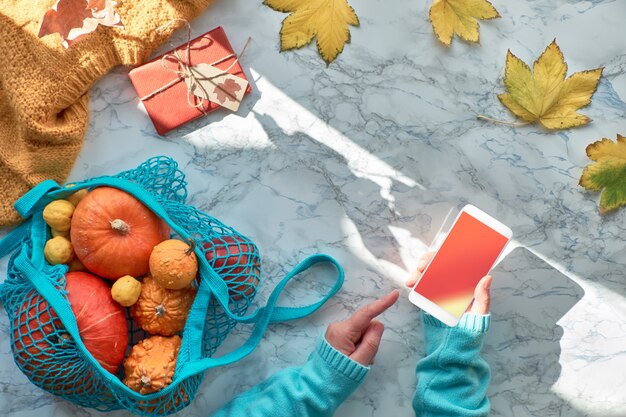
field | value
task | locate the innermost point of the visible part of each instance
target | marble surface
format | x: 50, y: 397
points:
x: 364, y: 160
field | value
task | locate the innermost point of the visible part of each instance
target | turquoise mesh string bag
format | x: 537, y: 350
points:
x: 45, y: 339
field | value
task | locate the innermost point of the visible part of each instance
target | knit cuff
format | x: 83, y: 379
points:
x: 340, y: 362
x: 476, y: 323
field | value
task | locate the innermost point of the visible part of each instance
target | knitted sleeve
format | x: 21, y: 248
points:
x: 43, y: 86
x: 316, y: 389
x: 452, y: 379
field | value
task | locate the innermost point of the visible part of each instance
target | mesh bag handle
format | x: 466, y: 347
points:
x: 13, y: 239
x: 262, y: 317
x: 191, y: 360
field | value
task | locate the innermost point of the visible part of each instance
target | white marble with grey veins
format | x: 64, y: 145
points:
x: 363, y: 160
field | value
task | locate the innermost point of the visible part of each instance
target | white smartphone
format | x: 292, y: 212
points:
x: 469, y: 251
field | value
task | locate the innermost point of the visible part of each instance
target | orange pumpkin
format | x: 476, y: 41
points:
x: 113, y: 233
x: 38, y: 332
x: 150, y: 366
x: 162, y: 311
x: 101, y: 321
x: 173, y: 264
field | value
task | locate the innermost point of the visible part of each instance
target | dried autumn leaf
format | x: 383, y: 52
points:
x: 607, y: 173
x: 460, y: 17
x: 544, y: 95
x: 74, y: 18
x: 326, y: 19
x: 64, y: 16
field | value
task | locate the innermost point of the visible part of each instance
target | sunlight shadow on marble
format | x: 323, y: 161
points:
x: 369, y: 203
x: 360, y: 160
x: 529, y: 297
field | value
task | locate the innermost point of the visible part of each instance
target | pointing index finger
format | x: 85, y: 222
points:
x: 362, y: 318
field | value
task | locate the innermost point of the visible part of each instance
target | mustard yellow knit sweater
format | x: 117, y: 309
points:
x: 43, y: 87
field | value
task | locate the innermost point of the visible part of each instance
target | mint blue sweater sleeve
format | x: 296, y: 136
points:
x: 452, y: 378
x: 315, y: 389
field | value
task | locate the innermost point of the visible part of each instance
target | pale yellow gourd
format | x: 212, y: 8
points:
x: 77, y: 196
x: 58, y: 250
x: 58, y: 215
x: 126, y: 290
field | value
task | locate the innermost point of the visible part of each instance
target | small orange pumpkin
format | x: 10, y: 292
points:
x: 150, y: 366
x: 162, y: 311
x: 173, y: 264
x: 113, y: 233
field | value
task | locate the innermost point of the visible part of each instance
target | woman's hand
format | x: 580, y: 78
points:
x: 358, y: 337
x: 480, y: 305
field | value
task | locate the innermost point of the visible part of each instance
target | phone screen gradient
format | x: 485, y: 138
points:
x: 466, y: 255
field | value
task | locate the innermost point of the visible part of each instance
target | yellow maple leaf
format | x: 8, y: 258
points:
x: 544, y: 94
x: 460, y: 17
x: 607, y: 173
x: 326, y: 19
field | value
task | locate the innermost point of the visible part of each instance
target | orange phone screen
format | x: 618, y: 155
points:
x: 466, y: 255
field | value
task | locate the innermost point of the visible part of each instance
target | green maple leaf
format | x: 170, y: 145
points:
x: 607, y: 173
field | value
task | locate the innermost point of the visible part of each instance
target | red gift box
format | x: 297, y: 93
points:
x: 170, y: 108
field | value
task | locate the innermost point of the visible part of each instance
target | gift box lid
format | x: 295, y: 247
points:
x: 169, y: 108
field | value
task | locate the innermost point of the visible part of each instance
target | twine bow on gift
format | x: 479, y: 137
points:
x: 185, y: 72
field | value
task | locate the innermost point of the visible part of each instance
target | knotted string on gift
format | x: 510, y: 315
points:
x: 184, y: 69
